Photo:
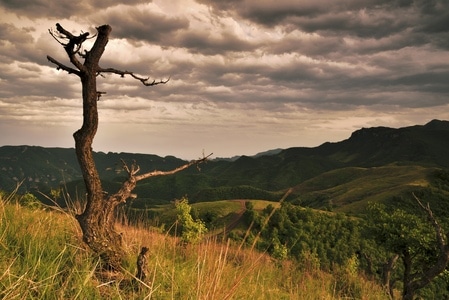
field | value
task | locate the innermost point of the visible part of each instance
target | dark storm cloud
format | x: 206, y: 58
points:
x: 210, y: 44
x: 367, y: 18
x: 141, y: 24
x: 16, y: 43
x: 59, y: 9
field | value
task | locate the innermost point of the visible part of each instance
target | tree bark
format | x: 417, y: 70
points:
x: 408, y: 291
x: 387, y: 269
x: 96, y: 221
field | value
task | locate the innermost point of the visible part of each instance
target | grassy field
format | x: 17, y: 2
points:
x: 42, y: 257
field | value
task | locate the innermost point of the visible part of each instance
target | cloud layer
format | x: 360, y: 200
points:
x: 246, y: 76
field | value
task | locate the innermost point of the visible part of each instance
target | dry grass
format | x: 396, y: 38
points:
x: 42, y: 257
x: 218, y: 269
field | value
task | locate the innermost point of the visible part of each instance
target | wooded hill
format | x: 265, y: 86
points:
x: 377, y: 163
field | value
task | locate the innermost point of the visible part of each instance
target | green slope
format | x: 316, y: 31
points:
x: 350, y: 189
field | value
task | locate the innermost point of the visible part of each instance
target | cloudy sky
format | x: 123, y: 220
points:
x: 246, y: 75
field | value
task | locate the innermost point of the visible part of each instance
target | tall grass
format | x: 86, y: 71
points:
x: 42, y: 257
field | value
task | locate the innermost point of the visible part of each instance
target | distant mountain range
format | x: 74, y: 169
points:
x: 263, y: 176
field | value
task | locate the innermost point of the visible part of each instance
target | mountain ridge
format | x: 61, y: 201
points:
x: 265, y: 174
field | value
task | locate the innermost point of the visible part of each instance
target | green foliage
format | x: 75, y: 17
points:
x: 55, y: 194
x: 347, y: 282
x: 401, y: 231
x: 409, y: 235
x: 30, y: 201
x: 235, y: 192
x: 192, y: 230
x: 279, y: 251
x: 332, y: 238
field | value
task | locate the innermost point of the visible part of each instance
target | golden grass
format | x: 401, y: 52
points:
x: 42, y: 257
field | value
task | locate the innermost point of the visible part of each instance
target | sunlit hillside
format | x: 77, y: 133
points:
x: 42, y: 257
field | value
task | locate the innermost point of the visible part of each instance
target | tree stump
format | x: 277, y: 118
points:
x: 142, y: 264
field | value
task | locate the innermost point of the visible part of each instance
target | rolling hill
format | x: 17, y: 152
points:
x: 373, y: 164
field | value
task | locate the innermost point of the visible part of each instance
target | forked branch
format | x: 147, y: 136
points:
x: 72, y: 45
x: 438, y: 230
x: 125, y: 192
x: 73, y: 40
x: 131, y: 171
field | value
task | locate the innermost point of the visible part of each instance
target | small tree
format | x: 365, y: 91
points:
x: 97, y: 220
x: 192, y: 230
x: 422, y: 246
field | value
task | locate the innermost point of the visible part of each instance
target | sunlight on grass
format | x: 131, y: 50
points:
x: 42, y: 257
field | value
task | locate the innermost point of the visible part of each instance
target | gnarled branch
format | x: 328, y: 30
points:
x: 125, y: 192
x: 131, y: 171
x: 163, y: 173
x: 145, y: 80
x: 73, y: 46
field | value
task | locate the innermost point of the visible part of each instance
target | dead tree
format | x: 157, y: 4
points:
x: 142, y: 264
x: 97, y: 221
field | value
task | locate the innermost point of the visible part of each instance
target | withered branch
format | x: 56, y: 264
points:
x: 131, y: 171
x: 61, y: 66
x: 441, y: 262
x: 145, y: 80
x: 438, y: 230
x: 71, y: 43
x: 163, y: 173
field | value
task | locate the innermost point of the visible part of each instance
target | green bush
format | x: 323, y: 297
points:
x: 192, y: 230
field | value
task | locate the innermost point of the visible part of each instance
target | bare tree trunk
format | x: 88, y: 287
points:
x: 386, y: 279
x: 96, y: 221
x: 408, y: 292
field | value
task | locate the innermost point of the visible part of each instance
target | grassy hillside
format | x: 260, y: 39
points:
x: 42, y: 257
x: 217, y: 215
x: 351, y: 189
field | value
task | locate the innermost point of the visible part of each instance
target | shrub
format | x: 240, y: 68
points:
x: 192, y: 230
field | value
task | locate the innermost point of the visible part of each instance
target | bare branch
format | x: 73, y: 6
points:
x: 131, y: 171
x: 99, y: 94
x: 163, y: 173
x: 74, y: 44
x: 62, y: 66
x: 64, y: 32
x: 73, y: 40
x: 145, y: 80
x: 443, y: 257
x: 58, y: 39
x: 438, y: 230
